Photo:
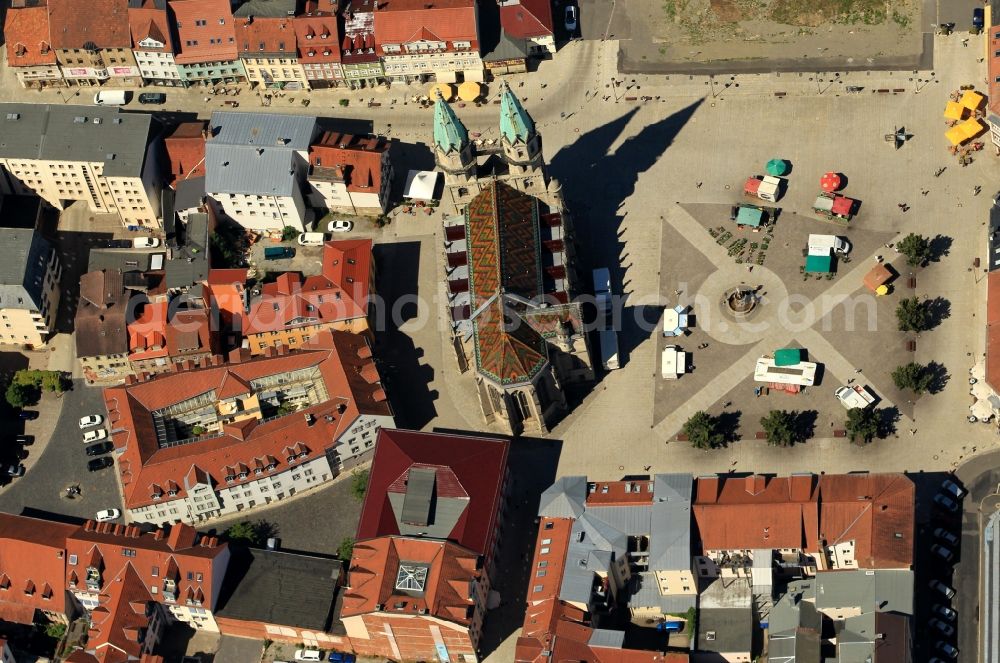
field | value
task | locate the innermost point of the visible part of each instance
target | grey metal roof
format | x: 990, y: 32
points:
x: 725, y: 630
x: 24, y: 257
x: 255, y: 153
x: 644, y: 592
x: 795, y: 626
x: 276, y: 587
x: 879, y: 590
x: 76, y: 133
x: 602, y: 637
x: 420, y: 484
x: 266, y: 8
x: 444, y: 515
x: 566, y: 498
x: 188, y: 264
x: 670, y: 526
x: 120, y: 259
x: 507, y: 48
x: 189, y: 194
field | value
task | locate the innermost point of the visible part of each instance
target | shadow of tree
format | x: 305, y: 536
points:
x: 939, y: 377
x: 940, y: 246
x: 938, y: 310
x: 728, y: 425
x: 888, y: 417
x: 804, y: 424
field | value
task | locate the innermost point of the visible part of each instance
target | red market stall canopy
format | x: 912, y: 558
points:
x: 830, y: 182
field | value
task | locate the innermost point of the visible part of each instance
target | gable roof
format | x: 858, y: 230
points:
x: 405, y: 21
x: 119, y: 618
x: 527, y: 18
x: 150, y: 21
x: 100, y: 23
x: 26, y: 31
x: 468, y: 476
x: 31, y: 551
x: 100, y: 322
x: 257, y: 36
x: 313, y: 46
x: 356, y: 160
x: 185, y: 151
x: 24, y: 260
x: 205, y: 31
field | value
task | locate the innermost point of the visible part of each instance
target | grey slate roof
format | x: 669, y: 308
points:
x: 730, y: 630
x: 602, y: 637
x: 189, y: 261
x: 507, y: 48
x: 255, y: 153
x: 76, y: 133
x: 879, y: 590
x: 564, y: 499
x: 24, y: 257
x: 670, y: 528
x: 444, y: 513
x: 276, y: 587
x: 120, y: 259
x: 266, y: 8
x: 189, y: 194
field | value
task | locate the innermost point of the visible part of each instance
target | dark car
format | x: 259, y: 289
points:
x: 24, y: 440
x: 977, y: 18
x: 27, y: 414
x: 100, y: 463
x: 16, y: 470
x: 152, y: 98
x: 278, y: 253
x: 21, y: 454
x: 99, y: 448
x: 118, y: 244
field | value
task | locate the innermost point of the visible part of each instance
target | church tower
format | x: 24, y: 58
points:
x: 453, y: 153
x: 522, y: 146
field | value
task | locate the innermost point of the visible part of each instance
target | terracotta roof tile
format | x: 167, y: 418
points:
x: 257, y: 36
x: 313, y: 46
x: 73, y: 24
x: 205, y: 31
x: 185, y: 149
x: 528, y: 18
x: 26, y: 31
x: 358, y: 159
x: 403, y: 21
x: 149, y: 22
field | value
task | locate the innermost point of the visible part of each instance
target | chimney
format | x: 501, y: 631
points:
x: 181, y: 536
x: 235, y: 356
x: 755, y: 483
x: 159, y: 534
x: 707, y: 489
x: 89, y: 526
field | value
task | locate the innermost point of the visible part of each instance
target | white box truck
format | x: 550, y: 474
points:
x: 822, y: 245
x: 111, y: 98
x: 854, y: 397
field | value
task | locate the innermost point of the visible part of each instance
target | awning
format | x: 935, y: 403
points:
x: 470, y: 91
x: 819, y: 264
x: 420, y: 184
x: 955, y: 136
x: 954, y: 110
x: 787, y: 356
x: 830, y: 182
x: 749, y: 216
x: 843, y: 206
x: 877, y: 276
x: 971, y: 100
x: 445, y: 76
x: 475, y: 75
x: 777, y: 167
x: 971, y: 128
x: 446, y: 90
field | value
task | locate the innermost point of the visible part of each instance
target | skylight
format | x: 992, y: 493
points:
x: 411, y: 578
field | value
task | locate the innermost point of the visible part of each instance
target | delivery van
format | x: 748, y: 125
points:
x: 111, y: 98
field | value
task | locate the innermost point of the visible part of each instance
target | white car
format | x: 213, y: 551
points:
x: 308, y: 655
x: 145, y: 242
x: 108, y: 514
x: 94, y: 435
x: 340, y: 226
x: 91, y: 420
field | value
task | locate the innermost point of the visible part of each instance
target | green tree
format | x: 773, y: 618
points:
x: 54, y: 382
x: 916, y: 248
x: 288, y: 233
x: 862, y: 424
x: 346, y: 548
x: 779, y: 425
x: 359, y: 484
x: 19, y: 395
x: 912, y: 376
x: 911, y: 315
x: 702, y: 431
x: 55, y: 630
x: 243, y: 532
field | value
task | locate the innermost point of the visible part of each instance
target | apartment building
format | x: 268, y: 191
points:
x: 99, y: 155
x: 93, y: 43
x: 29, y: 52
x: 265, y: 36
x: 152, y: 42
x: 256, y: 166
x: 318, y: 43
x: 161, y: 336
x: 350, y: 174
x: 420, y: 41
x: 101, y: 326
x: 291, y: 310
x: 206, y: 52
x: 185, y: 150
x: 358, y: 57
x: 29, y: 288
x: 217, y: 438
x: 530, y: 23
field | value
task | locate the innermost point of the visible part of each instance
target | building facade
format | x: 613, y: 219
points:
x: 92, y: 42
x: 420, y: 41
x: 317, y: 40
x: 350, y: 174
x: 29, y: 289
x: 530, y: 22
x: 206, y: 51
x: 152, y: 43
x: 265, y: 36
x: 29, y: 52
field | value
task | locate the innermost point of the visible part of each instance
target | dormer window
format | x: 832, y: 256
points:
x: 303, y: 454
x: 230, y: 478
x: 243, y: 475
x: 171, y: 493
x: 270, y: 467
x: 290, y: 459
x: 258, y: 470
x: 20, y: 50
x: 311, y: 54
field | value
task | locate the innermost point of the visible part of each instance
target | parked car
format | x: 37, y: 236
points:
x: 24, y: 440
x: 947, y: 629
x: 939, y: 586
x: 338, y: 657
x: 978, y: 19
x: 100, y: 463
x: 313, y: 239
x: 308, y: 655
x: 571, y: 18
x: 145, y: 242
x: 278, y: 252
x: 107, y: 514
x: 91, y: 420
x: 118, y: 244
x: 22, y: 454
x: 946, y: 502
x: 947, y: 536
x: 942, y: 552
x: 953, y: 488
x: 99, y: 449
x: 16, y: 470
x: 339, y: 226
x: 945, y: 612
x: 94, y: 435
x: 27, y: 415
x: 152, y: 98
x: 947, y: 649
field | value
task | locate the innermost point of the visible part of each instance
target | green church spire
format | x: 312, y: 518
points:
x: 449, y: 132
x: 515, y: 123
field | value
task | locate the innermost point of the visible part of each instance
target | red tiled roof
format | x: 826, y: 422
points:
x: 993, y: 330
x: 994, y: 66
x: 260, y: 35
x: 73, y: 23
x: 529, y: 18
x: 338, y: 357
x: 225, y: 292
x: 31, y: 551
x: 26, y: 31
x: 149, y: 22
x: 205, y: 31
x: 359, y: 159
x: 313, y: 47
x: 340, y: 293
x: 185, y: 149
x: 119, y: 617
x: 471, y: 466
x: 405, y: 21
x: 375, y: 565
x: 189, y: 332
x: 146, y: 335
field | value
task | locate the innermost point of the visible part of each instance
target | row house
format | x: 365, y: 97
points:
x: 152, y: 42
x: 420, y: 41
x: 319, y: 54
x: 101, y: 326
x: 100, y: 155
x: 529, y: 22
x: 92, y: 42
x: 265, y: 35
x: 350, y: 174
x: 29, y: 289
x: 219, y: 438
x: 359, y: 60
x: 29, y: 52
x: 206, y: 42
x: 290, y: 310
x: 160, y: 337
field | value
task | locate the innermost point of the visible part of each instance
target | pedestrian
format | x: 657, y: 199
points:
x: 857, y: 370
x: 925, y: 192
x: 850, y: 381
x: 699, y: 184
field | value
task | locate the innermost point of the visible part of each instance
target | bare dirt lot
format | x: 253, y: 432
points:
x: 701, y: 36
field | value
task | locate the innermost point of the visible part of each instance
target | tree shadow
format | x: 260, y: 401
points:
x: 888, y: 418
x: 804, y: 424
x: 728, y: 425
x: 940, y: 246
x: 938, y: 310
x: 939, y: 377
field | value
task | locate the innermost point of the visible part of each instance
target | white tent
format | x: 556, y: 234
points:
x: 420, y: 184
